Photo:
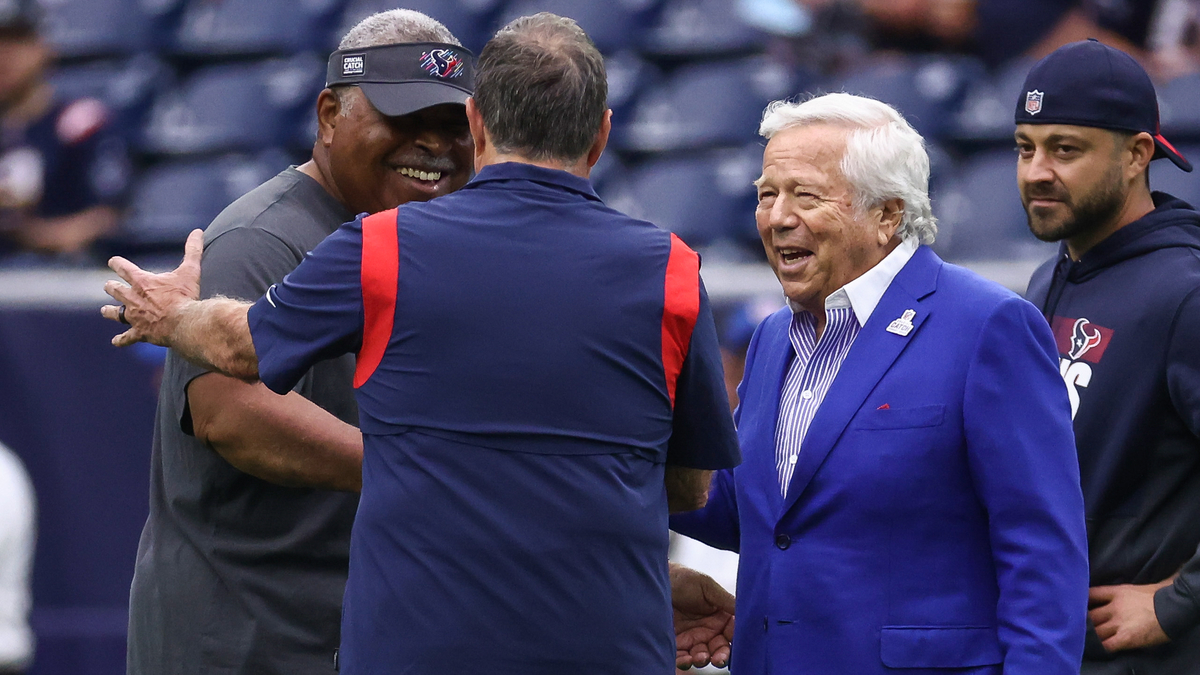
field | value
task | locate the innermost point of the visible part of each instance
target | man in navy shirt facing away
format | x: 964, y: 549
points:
x: 1123, y: 298
x: 532, y: 368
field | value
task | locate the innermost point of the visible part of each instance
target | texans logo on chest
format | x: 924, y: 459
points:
x: 1081, y: 345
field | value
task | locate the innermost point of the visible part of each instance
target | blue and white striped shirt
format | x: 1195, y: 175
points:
x: 817, y: 362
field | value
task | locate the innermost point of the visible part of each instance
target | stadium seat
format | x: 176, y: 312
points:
x: 469, y: 20
x: 989, y: 106
x: 1179, y: 108
x: 254, y: 27
x: 174, y: 197
x: 1166, y: 177
x: 705, y: 198
x: 980, y: 215
x: 628, y: 76
x: 126, y: 86
x: 687, y: 28
x: 235, y: 107
x: 613, y: 26
x: 705, y: 105
x: 98, y: 28
x: 925, y: 89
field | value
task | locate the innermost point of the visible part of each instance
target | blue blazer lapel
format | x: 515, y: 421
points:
x: 873, y: 353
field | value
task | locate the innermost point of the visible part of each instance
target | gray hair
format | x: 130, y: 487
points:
x: 885, y: 157
x: 396, y: 26
x: 541, y: 88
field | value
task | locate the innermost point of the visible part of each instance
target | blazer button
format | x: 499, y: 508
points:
x: 783, y: 541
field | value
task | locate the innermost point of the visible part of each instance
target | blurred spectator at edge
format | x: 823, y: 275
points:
x: 1164, y: 35
x: 16, y: 555
x: 62, y: 170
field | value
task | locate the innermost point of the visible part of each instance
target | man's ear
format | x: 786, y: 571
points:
x: 601, y: 141
x: 891, y: 214
x: 329, y: 108
x: 1141, y: 150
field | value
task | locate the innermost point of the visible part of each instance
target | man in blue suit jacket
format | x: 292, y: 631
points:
x: 909, y: 499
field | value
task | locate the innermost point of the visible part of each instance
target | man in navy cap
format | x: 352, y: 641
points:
x: 1123, y: 298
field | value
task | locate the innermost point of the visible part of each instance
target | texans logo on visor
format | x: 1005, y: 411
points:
x: 1033, y: 102
x: 443, y: 63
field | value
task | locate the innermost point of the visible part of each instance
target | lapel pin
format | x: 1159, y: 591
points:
x: 904, y: 325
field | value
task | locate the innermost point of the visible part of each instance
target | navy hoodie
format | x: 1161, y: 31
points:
x: 1126, y: 317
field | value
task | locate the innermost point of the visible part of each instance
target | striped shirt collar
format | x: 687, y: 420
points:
x: 864, y: 293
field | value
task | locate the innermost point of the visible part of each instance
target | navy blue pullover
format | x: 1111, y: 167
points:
x: 1126, y: 317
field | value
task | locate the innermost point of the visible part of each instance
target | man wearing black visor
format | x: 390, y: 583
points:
x: 243, y: 560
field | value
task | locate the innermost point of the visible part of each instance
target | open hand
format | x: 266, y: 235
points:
x: 1124, y: 616
x: 703, y: 619
x: 152, y: 301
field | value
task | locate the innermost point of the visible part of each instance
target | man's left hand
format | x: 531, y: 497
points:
x: 1124, y: 616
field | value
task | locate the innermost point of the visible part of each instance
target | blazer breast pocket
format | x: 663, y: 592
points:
x: 902, y: 418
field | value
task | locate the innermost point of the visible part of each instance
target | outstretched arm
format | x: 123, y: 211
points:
x: 703, y: 619
x: 163, y: 309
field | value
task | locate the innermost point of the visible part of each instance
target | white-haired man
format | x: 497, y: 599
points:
x: 909, y: 497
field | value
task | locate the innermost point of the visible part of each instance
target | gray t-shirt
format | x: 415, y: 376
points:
x: 234, y: 574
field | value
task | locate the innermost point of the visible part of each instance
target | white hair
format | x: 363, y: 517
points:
x: 396, y: 26
x: 885, y: 157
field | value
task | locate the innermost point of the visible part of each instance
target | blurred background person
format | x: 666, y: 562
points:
x: 63, y: 170
x: 17, y: 535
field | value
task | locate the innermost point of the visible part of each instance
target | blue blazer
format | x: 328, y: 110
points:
x: 934, y: 520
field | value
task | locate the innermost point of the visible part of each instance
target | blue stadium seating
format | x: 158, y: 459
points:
x: 704, y: 105
x: 126, y: 86
x: 704, y: 198
x: 989, y: 106
x: 628, y: 76
x: 174, y: 197
x: 254, y: 27
x: 92, y: 28
x: 613, y: 26
x: 304, y: 134
x: 235, y: 107
x: 1179, y: 108
x: 925, y: 89
x: 688, y: 28
x: 1166, y: 177
x: 470, y: 21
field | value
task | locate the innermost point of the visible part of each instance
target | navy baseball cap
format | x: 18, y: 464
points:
x: 1090, y: 84
x: 403, y: 78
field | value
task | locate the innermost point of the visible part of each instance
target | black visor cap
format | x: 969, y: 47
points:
x: 404, y: 78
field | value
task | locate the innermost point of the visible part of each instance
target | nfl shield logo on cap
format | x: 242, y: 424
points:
x: 1033, y: 102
